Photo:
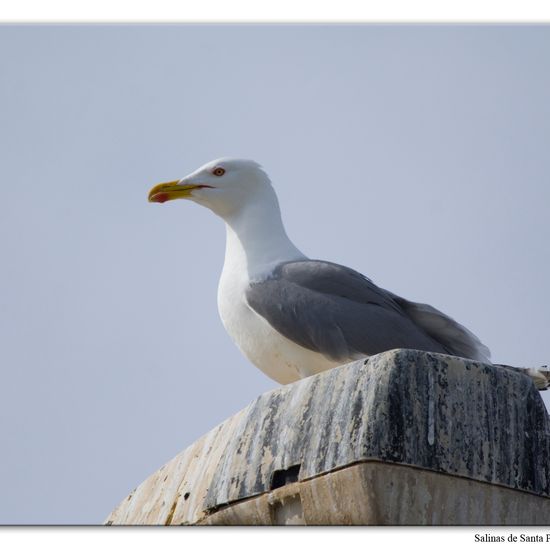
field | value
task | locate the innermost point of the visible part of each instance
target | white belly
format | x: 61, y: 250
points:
x: 274, y: 354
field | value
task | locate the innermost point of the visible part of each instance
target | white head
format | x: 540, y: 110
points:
x: 225, y: 186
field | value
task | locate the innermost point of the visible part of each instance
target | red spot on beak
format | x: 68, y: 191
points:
x: 160, y: 197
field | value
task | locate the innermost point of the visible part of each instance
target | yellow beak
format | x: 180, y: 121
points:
x: 172, y: 190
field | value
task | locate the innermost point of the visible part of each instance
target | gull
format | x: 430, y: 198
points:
x: 293, y: 316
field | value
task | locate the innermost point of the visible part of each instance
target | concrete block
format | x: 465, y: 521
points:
x: 403, y: 438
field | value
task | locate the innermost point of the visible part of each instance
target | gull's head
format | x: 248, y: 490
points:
x: 225, y: 186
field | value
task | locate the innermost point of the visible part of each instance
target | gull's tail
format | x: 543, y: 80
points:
x: 540, y: 376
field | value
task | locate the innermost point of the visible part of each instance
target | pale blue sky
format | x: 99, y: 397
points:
x: 417, y: 155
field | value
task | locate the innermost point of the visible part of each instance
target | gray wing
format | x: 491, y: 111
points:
x: 336, y: 311
x: 452, y: 335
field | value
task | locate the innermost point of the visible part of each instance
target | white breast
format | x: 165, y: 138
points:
x: 274, y: 354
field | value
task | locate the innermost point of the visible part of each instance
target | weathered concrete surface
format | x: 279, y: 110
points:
x: 375, y: 493
x: 483, y: 427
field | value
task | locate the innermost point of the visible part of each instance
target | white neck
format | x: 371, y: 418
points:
x: 257, y: 240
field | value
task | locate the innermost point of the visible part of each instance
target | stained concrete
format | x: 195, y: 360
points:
x: 405, y: 437
x: 375, y: 493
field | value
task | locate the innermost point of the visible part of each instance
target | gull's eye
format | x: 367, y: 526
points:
x: 219, y: 171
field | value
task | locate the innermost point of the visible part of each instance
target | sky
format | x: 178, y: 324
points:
x: 417, y: 155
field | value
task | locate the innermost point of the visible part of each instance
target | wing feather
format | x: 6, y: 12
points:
x: 456, y: 338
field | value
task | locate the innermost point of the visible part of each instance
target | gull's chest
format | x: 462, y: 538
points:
x: 275, y: 355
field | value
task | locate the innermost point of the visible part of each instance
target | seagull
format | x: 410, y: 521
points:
x: 293, y: 316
